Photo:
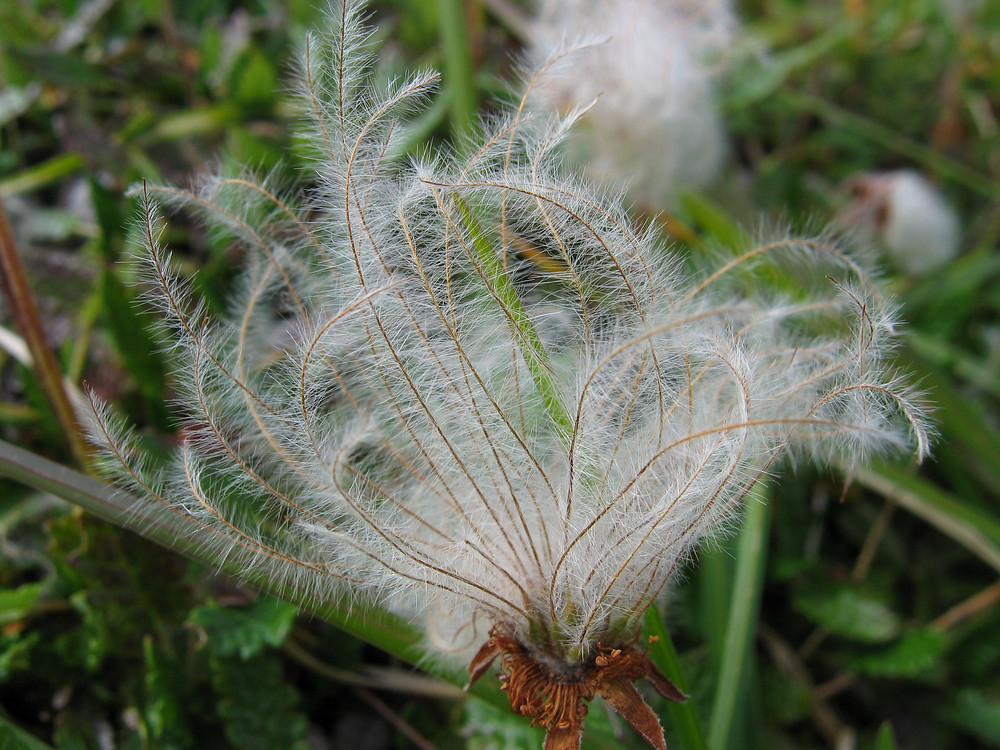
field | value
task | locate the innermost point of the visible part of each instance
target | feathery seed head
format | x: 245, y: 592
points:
x: 474, y: 392
x: 907, y: 215
x: 644, y: 79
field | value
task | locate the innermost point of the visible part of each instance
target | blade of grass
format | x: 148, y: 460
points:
x: 714, y: 578
x: 960, y: 420
x: 41, y: 175
x: 664, y: 655
x: 367, y: 622
x: 458, y: 73
x: 13, y: 737
x: 536, y: 358
x: 885, y: 740
x: 744, y: 605
x: 979, y: 532
x: 169, y: 530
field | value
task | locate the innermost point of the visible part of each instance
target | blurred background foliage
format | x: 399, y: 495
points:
x: 855, y: 612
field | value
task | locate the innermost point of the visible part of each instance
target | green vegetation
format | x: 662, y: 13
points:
x: 855, y: 611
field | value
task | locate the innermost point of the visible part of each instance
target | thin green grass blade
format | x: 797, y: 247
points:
x: 885, y: 739
x: 744, y: 605
x: 960, y: 420
x: 13, y: 737
x: 887, y: 138
x: 40, y: 175
x: 459, y: 80
x: 971, y: 527
x: 715, y: 580
x: 663, y: 654
x: 536, y: 358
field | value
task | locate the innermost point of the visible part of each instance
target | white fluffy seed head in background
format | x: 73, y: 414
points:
x: 646, y: 74
x: 907, y: 216
x: 472, y: 391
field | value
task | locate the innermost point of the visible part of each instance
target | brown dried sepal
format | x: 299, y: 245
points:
x: 555, y: 695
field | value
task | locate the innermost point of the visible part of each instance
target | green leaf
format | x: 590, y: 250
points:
x: 885, y: 739
x: 850, y: 613
x: 163, y: 713
x: 488, y: 727
x: 244, y: 630
x: 15, y: 655
x: 257, y: 706
x: 130, y: 330
x: 14, y: 738
x: 978, y: 714
x: 968, y: 525
x: 17, y: 603
x: 784, y: 700
x: 917, y: 653
x: 109, y: 219
x: 663, y: 654
x: 255, y: 83
x: 530, y: 343
x: 731, y: 695
x: 712, y: 220
x: 89, y: 643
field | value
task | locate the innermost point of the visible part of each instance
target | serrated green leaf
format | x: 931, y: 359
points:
x: 19, y: 602
x: 14, y: 738
x: 257, y: 707
x: 245, y: 631
x: 163, y: 715
x: 850, y: 613
x: 978, y: 714
x: 913, y: 655
x: 15, y: 654
x: 786, y: 701
x: 87, y: 644
x: 488, y: 727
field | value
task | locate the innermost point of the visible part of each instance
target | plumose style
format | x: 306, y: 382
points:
x: 470, y: 389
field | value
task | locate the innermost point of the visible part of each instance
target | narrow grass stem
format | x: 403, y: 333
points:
x: 458, y: 73
x: 375, y: 626
x: 744, y: 605
x: 535, y: 356
x: 40, y: 175
x: 977, y: 531
x: 29, y: 321
x: 663, y: 654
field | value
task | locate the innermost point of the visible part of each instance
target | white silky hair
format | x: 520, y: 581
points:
x: 646, y: 75
x: 472, y: 391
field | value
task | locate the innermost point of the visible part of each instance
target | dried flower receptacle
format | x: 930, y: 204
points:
x: 555, y: 695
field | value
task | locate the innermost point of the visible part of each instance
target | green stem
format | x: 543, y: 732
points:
x: 715, y: 575
x: 384, y: 630
x: 500, y: 286
x: 744, y: 605
x: 29, y: 322
x: 976, y: 530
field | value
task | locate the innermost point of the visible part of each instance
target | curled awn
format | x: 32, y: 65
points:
x: 472, y: 390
